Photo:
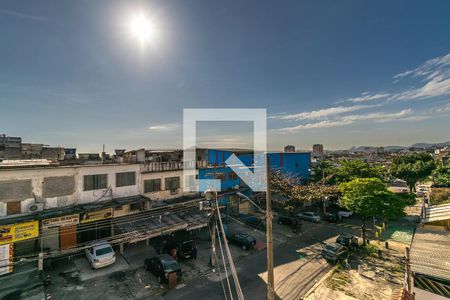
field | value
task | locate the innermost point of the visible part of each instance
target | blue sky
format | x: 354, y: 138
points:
x: 332, y: 72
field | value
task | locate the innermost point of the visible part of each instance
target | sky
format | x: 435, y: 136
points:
x: 339, y: 73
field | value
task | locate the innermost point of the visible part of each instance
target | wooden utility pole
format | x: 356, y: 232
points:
x: 408, y: 270
x: 270, y: 276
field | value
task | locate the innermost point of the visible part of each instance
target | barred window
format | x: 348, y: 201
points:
x: 95, y: 182
x: 152, y: 185
x: 125, y: 179
x: 172, y: 183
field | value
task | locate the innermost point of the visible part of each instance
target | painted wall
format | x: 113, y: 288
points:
x: 163, y: 194
x: 227, y: 182
x: 296, y: 164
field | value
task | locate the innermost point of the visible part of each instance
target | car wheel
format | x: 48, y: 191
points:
x: 244, y: 247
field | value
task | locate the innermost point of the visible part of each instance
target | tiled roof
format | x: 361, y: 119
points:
x: 430, y: 253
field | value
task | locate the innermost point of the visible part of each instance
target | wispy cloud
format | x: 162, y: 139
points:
x: 17, y: 14
x: 378, y: 117
x: 321, y: 113
x: 163, y: 127
x: 365, y: 97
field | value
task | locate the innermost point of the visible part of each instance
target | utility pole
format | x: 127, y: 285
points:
x: 270, y: 276
x: 408, y: 270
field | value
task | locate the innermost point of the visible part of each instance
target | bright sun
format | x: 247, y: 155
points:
x: 142, y: 29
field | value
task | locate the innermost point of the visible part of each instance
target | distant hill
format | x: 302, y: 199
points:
x: 394, y: 148
x: 430, y: 145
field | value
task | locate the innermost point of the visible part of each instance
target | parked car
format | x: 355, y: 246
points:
x: 243, y: 240
x: 253, y: 221
x: 100, y: 254
x: 332, y: 217
x: 334, y: 252
x: 183, y: 247
x: 347, y: 240
x: 345, y: 213
x: 161, y: 266
x: 290, y: 221
x: 309, y: 216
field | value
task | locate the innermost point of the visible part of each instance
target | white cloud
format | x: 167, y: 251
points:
x: 163, y: 127
x: 322, y: 113
x: 367, y: 97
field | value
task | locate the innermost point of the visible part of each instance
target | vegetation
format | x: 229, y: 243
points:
x: 441, y: 176
x: 440, y: 196
x: 412, y: 168
x: 369, y: 197
x: 346, y: 171
x: 299, y: 194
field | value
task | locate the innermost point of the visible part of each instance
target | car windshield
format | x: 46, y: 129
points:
x: 331, y: 248
x: 170, y: 265
x: 103, y: 251
x: 249, y: 238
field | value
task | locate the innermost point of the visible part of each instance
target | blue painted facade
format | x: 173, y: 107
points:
x: 295, y: 164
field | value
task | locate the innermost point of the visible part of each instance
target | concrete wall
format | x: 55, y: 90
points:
x: 163, y: 194
x: 61, y: 186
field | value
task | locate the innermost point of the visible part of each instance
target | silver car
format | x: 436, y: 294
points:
x: 309, y: 216
x: 100, y: 254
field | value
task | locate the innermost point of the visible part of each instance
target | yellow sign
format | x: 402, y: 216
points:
x: 96, y: 215
x: 19, y: 232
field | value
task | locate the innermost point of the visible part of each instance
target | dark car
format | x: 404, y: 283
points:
x: 334, y: 252
x: 183, y: 246
x: 161, y: 266
x: 243, y: 240
x: 290, y: 221
x: 347, y: 240
x: 253, y: 221
x: 332, y: 218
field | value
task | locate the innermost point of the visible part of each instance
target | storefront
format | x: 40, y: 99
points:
x: 60, y: 233
x: 94, y: 225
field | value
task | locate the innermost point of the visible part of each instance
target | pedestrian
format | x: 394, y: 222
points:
x: 173, y: 253
x: 194, y: 252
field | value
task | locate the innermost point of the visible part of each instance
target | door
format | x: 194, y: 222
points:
x: 68, y: 237
x: 50, y: 238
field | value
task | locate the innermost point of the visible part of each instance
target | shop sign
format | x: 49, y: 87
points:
x: 19, y: 232
x: 96, y: 215
x: 61, y: 221
x: 6, y: 259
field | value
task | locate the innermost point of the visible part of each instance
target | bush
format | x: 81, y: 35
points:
x: 439, y: 196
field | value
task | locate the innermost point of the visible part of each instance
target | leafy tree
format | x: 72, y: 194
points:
x: 412, y: 168
x: 323, y: 170
x: 441, y: 175
x: 297, y: 193
x: 352, y: 169
x: 369, y: 197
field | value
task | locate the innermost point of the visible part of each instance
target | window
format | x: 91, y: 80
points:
x: 152, y: 185
x: 95, y: 182
x: 172, y: 183
x: 125, y: 179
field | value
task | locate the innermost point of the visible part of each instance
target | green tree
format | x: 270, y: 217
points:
x: 412, y: 168
x: 369, y: 197
x: 441, y: 175
x: 352, y: 169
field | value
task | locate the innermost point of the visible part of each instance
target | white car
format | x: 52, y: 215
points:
x: 345, y: 214
x: 100, y: 254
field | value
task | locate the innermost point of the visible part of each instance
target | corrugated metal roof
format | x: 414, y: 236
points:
x: 437, y: 213
x: 430, y: 253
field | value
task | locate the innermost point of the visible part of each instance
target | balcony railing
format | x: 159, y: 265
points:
x: 150, y: 167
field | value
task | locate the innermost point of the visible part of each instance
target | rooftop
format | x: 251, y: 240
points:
x: 430, y: 253
x: 437, y: 213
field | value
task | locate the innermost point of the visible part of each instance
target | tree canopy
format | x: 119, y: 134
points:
x: 441, y: 176
x: 346, y: 171
x: 369, y: 197
x: 412, y: 167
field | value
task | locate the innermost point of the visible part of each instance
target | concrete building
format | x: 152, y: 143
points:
x: 10, y: 147
x: 317, y: 150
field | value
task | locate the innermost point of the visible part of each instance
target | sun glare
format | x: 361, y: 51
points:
x: 142, y: 29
